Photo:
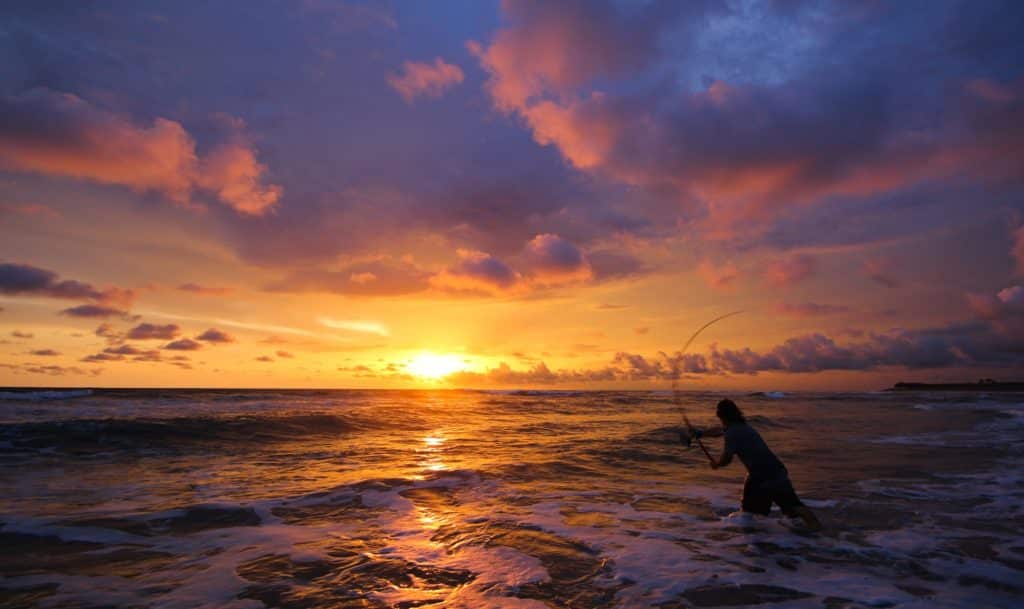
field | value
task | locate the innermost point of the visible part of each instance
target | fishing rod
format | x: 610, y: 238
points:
x: 694, y: 434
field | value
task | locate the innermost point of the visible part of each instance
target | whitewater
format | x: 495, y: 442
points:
x: 532, y: 499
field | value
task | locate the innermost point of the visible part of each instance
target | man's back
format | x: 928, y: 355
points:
x: 743, y: 441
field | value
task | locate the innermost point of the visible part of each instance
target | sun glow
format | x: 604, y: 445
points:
x: 432, y: 366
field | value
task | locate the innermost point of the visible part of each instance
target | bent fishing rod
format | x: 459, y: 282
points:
x: 694, y: 434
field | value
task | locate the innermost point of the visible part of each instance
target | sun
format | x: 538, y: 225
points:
x: 432, y: 366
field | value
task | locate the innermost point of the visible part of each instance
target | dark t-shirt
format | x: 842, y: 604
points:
x: 744, y: 442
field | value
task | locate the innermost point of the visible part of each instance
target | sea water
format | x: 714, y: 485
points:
x: 247, y: 499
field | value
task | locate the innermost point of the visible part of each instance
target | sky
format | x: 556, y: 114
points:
x: 517, y: 194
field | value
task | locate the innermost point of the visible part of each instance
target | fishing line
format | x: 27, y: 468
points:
x: 675, y: 384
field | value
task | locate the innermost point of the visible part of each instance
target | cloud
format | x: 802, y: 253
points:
x: 93, y: 311
x: 202, y: 290
x: 20, y: 334
x: 1018, y: 249
x: 184, y: 344
x: 102, y: 357
x: 31, y: 210
x: 478, y: 272
x: 810, y: 309
x: 551, y: 260
x: 791, y: 270
x: 285, y: 354
x: 740, y: 135
x: 356, y: 325
x: 45, y: 352
x: 60, y: 134
x: 1004, y: 310
x: 417, y: 79
x: 718, y: 277
x: 23, y: 279
x: 381, y: 277
x: 264, y: 358
x: 236, y: 176
x: 879, y: 270
x: 213, y: 335
x: 54, y: 370
x: 147, y: 331
x: 123, y: 352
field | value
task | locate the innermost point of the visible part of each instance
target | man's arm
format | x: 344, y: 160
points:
x: 726, y: 458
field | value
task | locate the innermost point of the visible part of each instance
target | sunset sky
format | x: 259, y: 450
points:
x: 514, y: 194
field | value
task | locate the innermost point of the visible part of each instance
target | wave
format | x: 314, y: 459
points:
x: 98, y: 435
x: 49, y: 394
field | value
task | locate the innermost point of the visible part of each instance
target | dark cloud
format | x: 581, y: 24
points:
x: 23, y: 279
x: 54, y: 370
x: 213, y: 335
x: 95, y: 310
x: 551, y: 260
x: 148, y: 331
x: 45, y: 352
x: 477, y: 272
x: 761, y: 130
x: 184, y: 344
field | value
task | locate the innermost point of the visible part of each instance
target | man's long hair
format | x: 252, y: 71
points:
x: 729, y: 413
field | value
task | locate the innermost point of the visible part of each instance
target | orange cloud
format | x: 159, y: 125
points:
x: 478, y: 272
x: 61, y: 134
x: 417, y: 79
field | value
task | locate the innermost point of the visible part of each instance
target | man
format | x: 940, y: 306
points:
x: 767, y: 479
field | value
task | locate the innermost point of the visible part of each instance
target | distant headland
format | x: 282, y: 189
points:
x: 981, y: 385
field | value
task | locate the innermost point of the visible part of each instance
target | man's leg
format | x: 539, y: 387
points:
x: 784, y: 495
x: 755, y: 499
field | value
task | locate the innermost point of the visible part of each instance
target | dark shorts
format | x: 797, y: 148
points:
x: 759, y: 494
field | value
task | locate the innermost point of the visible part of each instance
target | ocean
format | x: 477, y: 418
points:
x: 520, y: 499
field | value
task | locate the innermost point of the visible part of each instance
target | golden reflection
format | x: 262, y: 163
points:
x: 431, y: 453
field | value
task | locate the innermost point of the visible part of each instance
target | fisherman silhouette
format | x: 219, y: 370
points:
x: 767, y: 479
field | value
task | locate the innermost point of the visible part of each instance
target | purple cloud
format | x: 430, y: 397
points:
x: 184, y: 344
x: 148, y: 331
x: 213, y: 335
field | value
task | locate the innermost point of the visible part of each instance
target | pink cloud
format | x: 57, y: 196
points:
x: 60, y: 134
x: 718, y: 277
x: 419, y: 79
x: 791, y: 270
x: 236, y: 176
